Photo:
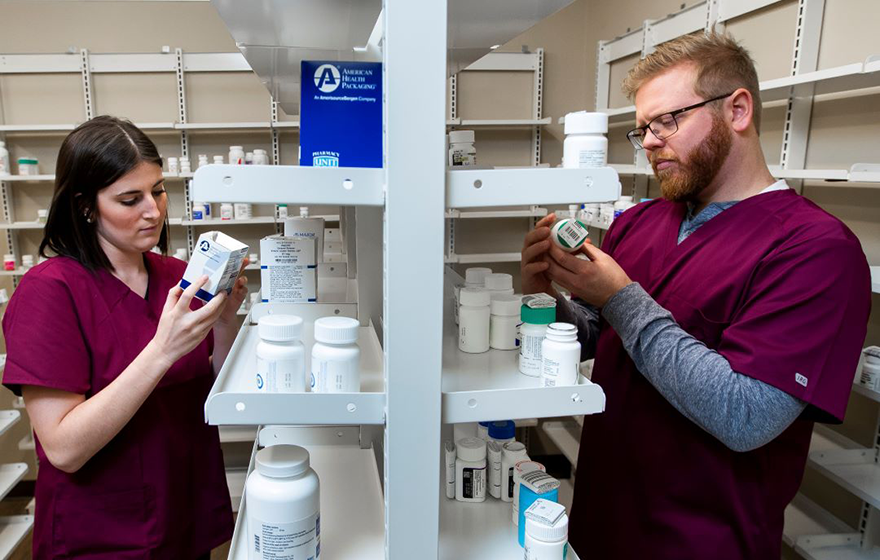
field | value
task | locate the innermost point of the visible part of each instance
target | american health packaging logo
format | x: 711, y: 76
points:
x: 341, y: 114
x: 205, y: 246
x: 327, y: 78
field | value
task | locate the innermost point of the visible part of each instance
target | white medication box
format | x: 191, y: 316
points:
x: 288, y: 269
x: 219, y: 257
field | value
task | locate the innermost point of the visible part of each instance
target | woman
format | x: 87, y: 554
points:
x: 115, y: 363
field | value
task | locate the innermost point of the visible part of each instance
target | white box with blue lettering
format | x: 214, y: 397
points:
x: 219, y: 257
x: 288, y: 269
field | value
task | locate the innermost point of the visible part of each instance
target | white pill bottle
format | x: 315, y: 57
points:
x: 283, y: 506
x: 560, y: 356
x: 336, y: 356
x: 281, y: 361
x: 585, y: 142
x: 546, y: 542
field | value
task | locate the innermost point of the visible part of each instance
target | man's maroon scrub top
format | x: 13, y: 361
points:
x: 158, y: 489
x: 782, y: 290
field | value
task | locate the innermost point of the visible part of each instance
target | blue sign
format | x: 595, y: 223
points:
x: 341, y: 114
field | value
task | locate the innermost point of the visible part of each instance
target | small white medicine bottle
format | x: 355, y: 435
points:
x: 585, y: 142
x: 512, y: 452
x: 283, y: 504
x: 569, y: 235
x: 461, y: 148
x: 236, y: 155
x: 336, y: 356
x: 470, y: 470
x: 503, y: 322
x: 546, y: 542
x: 281, y: 361
x: 474, y: 277
x: 498, y: 284
x: 560, y: 356
x: 531, y: 335
x: 473, y: 317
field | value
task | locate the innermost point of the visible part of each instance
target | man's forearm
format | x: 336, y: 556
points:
x: 742, y: 412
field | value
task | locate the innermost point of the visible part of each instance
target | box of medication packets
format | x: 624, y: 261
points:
x: 219, y: 257
x: 288, y: 270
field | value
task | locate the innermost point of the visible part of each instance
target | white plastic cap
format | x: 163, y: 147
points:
x: 231, y: 148
x: 626, y: 199
x: 461, y: 137
x: 42, y: 212
x: 506, y: 306
x: 282, y: 461
x: 513, y: 448
x: 8, y: 257
x: 471, y: 449
x: 337, y: 330
x: 170, y: 159
x: 303, y: 211
x: 547, y: 533
x: 474, y: 296
x: 476, y: 275
x: 499, y: 281
x: 280, y: 328
x: 583, y: 122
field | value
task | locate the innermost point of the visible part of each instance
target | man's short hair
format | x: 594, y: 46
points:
x: 722, y: 65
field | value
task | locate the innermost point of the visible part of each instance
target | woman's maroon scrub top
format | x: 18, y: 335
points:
x: 782, y: 290
x: 158, y: 489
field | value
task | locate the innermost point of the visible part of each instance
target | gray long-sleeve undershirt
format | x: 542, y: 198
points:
x: 740, y: 411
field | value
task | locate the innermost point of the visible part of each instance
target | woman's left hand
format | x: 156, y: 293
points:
x: 233, y: 302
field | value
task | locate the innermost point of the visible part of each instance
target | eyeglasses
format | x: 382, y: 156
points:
x: 665, y: 125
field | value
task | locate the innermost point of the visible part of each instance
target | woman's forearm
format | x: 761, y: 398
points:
x: 72, y: 429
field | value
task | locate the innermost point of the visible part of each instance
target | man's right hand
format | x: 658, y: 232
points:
x: 535, y: 254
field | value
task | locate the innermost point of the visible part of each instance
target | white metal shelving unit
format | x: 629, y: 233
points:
x: 532, y: 62
x: 13, y: 529
x: 414, y: 382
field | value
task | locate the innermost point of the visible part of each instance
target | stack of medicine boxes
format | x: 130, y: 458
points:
x: 289, y: 262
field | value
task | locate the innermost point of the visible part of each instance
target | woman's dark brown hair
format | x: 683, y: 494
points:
x: 93, y: 157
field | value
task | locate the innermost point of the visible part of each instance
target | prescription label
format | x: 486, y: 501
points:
x: 299, y: 540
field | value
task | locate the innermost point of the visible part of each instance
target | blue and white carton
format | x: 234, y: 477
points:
x: 219, y: 257
x: 288, y: 270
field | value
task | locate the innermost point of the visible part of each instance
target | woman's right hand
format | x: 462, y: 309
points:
x: 180, y: 328
x: 535, y: 252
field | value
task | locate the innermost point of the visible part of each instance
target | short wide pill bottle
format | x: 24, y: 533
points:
x: 281, y: 362
x: 336, y: 356
x: 560, y: 356
x: 585, y: 142
x: 283, y: 504
x: 504, y: 322
x: 546, y: 542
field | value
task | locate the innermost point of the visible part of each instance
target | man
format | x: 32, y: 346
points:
x: 725, y: 319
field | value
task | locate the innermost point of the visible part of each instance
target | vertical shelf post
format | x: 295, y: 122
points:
x: 415, y: 173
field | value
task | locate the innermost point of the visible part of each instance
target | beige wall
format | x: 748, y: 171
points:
x: 119, y: 27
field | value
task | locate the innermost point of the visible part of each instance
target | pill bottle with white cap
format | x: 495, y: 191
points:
x: 283, y: 505
x: 336, y: 356
x: 280, y: 355
x: 503, y: 322
x: 461, y: 148
x: 585, y: 142
x: 470, y: 470
x: 546, y: 538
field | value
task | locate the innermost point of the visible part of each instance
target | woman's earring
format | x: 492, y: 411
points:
x: 87, y: 217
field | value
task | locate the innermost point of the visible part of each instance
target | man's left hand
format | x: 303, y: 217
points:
x: 594, y: 281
